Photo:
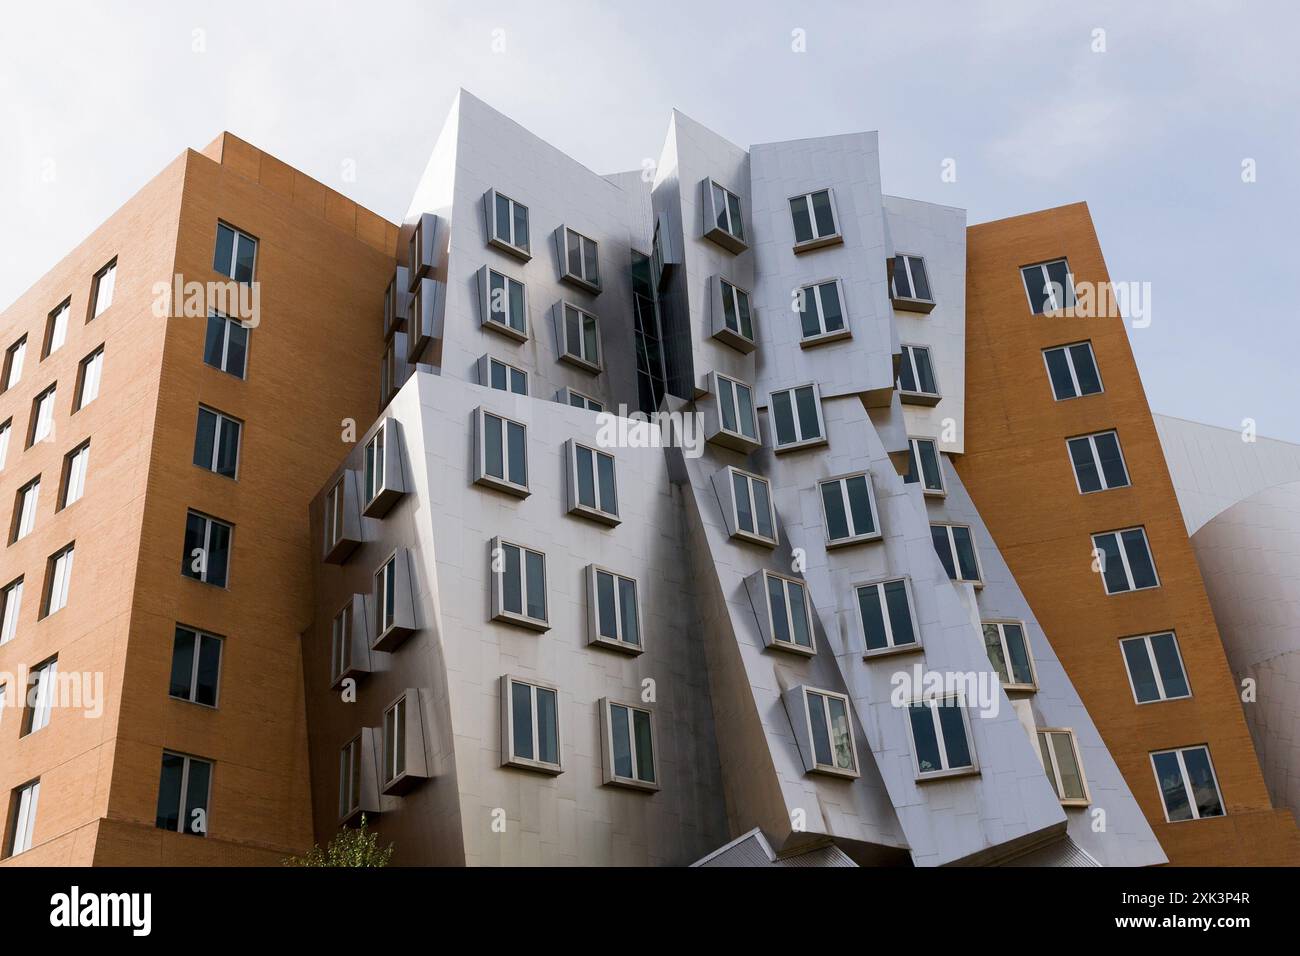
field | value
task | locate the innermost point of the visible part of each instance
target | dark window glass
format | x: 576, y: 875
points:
x: 802, y: 224
x: 965, y: 553
x: 924, y: 372
x: 873, y: 621
x: 920, y: 282
x: 806, y: 403
x: 939, y: 533
x: 493, y: 460
x: 222, y: 256
x: 182, y: 663
x: 502, y: 218
x: 205, y: 685
x: 1165, y: 648
x: 900, y: 613
x: 196, y: 797
x: 1112, y: 461
x: 645, y: 764
x: 608, y: 622
x: 605, y: 477
x: 776, y: 600
x: 214, y: 341
x: 204, y: 438
x: 821, y: 204
x: 837, y: 521
x: 535, y: 569
x: 1204, y: 792
x: 586, y: 480
x: 902, y: 288
x: 1036, y: 284
x: 923, y: 736
x: 518, y: 453
x: 622, y: 735
x: 763, y: 510
x: 1084, y: 466
x: 906, y: 380
x: 498, y: 377
x: 821, y: 734
x: 1085, y: 369
x: 860, y: 505
x: 1139, y: 559
x: 1058, y: 368
x: 954, y: 734
x: 832, y: 314
x: 521, y: 708
x: 548, y: 727
x: 1139, y: 668
x: 1112, y: 564
x: 744, y: 512
x: 513, y: 600
x: 169, y: 792
x: 1170, y: 775
x: 783, y: 416
x: 627, y: 610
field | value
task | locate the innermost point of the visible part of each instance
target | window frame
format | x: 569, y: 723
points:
x: 36, y: 713
x: 736, y: 436
x: 611, y: 777
x: 222, y: 420
x: 481, y: 474
x: 907, y: 351
x: 508, y: 756
x: 594, y: 636
x: 598, y: 511
x: 27, y: 500
x: 1054, y: 772
x: 812, y: 291
x: 393, y: 773
x: 736, y: 530
x: 1091, y: 439
x: 719, y: 297
x: 946, y: 771
x: 507, y: 244
x: 6, y: 433
x: 227, y: 323
x: 579, y: 359
x: 199, y: 635
x: 891, y: 647
x: 811, y: 764
x: 520, y: 618
x: 578, y: 278
x: 107, y: 271
x: 58, y: 579
x: 1072, y: 293
x: 1074, y: 374
x: 568, y: 393
x: 10, y: 614
x: 1001, y: 624
x: 730, y: 236
x: 1124, y: 560
x: 817, y: 240
x: 21, y: 829
x: 852, y: 538
x: 66, y: 478
x: 351, y: 778
x: 510, y: 372
x: 15, y: 354
x: 956, y: 562
x: 769, y: 624
x: 800, y: 442
x: 239, y: 234
x: 61, y: 312
x: 183, y: 795
x: 1155, y: 667
x: 486, y: 315
x: 95, y: 361
x: 1187, y: 781
x: 913, y: 302
x: 187, y: 559
x: 914, y: 453
x: 38, y: 415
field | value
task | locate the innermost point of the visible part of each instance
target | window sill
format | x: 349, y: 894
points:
x: 341, y: 550
x: 735, y: 340
x: 520, y: 620
x: 825, y: 338
x: 508, y: 331
x: 919, y: 398
x: 578, y: 362
x: 735, y: 441
x: 402, y: 783
x: 1020, y: 688
x: 821, y: 242
x: 791, y: 648
x: 500, y: 484
x: 392, y: 638
x: 352, y: 673
x: 1076, y: 804
x: 628, y: 783
x: 754, y: 538
x: 535, y: 766
x: 872, y: 653
x: 581, y: 283
x: 855, y: 540
x: 800, y: 445
x: 923, y: 306
x: 523, y: 255
x: 622, y: 647
x: 726, y: 240
x: 835, y: 772
x: 595, y: 514
x: 381, y: 503
x: 947, y: 774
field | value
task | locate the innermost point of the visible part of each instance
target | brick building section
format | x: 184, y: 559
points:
x: 1017, y: 470
x: 323, y: 264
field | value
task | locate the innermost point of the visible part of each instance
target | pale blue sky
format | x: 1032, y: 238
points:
x: 1152, y: 132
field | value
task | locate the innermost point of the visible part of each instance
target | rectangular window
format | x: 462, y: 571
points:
x: 579, y: 400
x: 183, y: 792
x: 11, y: 602
x: 916, y: 372
x: 581, y: 338
x: 888, y: 622
x: 196, y: 666
x: 22, y: 816
x: 58, y: 580
x: 908, y: 280
x: 386, y: 592
x: 341, y: 644
x: 722, y: 218
x: 1124, y: 560
x: 395, y: 741
x: 350, y: 778
x: 736, y: 409
x: 797, y: 418
x: 1188, y: 786
x: 56, y: 329
x: 1060, y: 757
x: 507, y: 378
x: 335, y: 514
x: 629, y: 746
x: 374, y: 465
x: 225, y: 346
x: 102, y: 290
x: 24, y: 519
x: 508, y: 224
x: 507, y: 304
x: 207, y: 549
x: 580, y: 259
x: 503, y: 453
x: 235, y: 254
x: 956, y: 550
x: 519, y: 584
x: 14, y: 357
x: 532, y: 725
x: 88, y: 376
x: 752, y: 511
x: 924, y: 452
x: 821, y: 311
x: 789, y: 620
x: 1155, y: 667
x: 814, y: 220
x: 594, y: 482
x: 737, y: 318
x: 831, y: 732
x: 1050, y: 286
x: 42, y: 420
x: 5, y: 428
x: 216, y: 442
x: 941, y: 738
x: 1098, y: 462
x: 1072, y: 370
x: 73, y: 482
x: 849, y: 508
x: 42, y: 690
x: 1008, y: 651
x: 616, y: 617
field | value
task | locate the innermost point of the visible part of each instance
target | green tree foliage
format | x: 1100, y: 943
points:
x: 352, y: 846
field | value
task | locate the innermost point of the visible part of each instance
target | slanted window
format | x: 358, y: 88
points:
x: 923, y: 465
x: 733, y: 319
x: 909, y: 286
x: 956, y: 550
x: 335, y: 514
x: 1155, y: 668
x: 506, y: 308
x: 571, y: 396
x: 1049, y: 285
x: 941, y: 740
x: 615, y: 618
x: 235, y: 254
x: 14, y: 357
x: 737, y: 417
x: 1098, y: 462
x: 395, y: 740
x: 797, y: 418
x: 506, y: 378
x: 216, y: 442
x: 22, y: 816
x: 1072, y: 370
x: 350, y: 778
x: 530, y: 726
x: 753, y: 517
x: 11, y: 602
x: 518, y: 585
x: 815, y: 223
x: 196, y: 666
x: 6, y: 427
x: 580, y: 260
x: 207, y: 549
x: 393, y: 601
x: 502, y: 453
x: 628, y: 733
x: 821, y: 312
x: 42, y: 685
x: 101, y: 295
x: 1060, y: 756
x: 24, y: 519
x: 507, y: 224
x: 830, y: 732
x: 88, y: 376
x: 789, y: 618
x: 73, y: 482
x: 225, y: 346
x: 916, y: 375
x: 723, y: 222
x: 1124, y: 560
x: 405, y: 760
x: 1188, y: 786
x: 56, y: 329
x: 581, y: 333
x: 341, y: 644
x: 42, y: 419
x: 849, y: 508
x: 58, y: 580
x: 183, y: 792
x: 1008, y: 650
x: 888, y: 621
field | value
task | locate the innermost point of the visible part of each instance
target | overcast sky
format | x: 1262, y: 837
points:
x: 96, y: 98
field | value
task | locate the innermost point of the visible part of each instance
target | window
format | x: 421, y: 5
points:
x: 1155, y: 668
x: 405, y: 761
x: 789, y: 620
x: 956, y: 551
x: 831, y: 732
x: 925, y: 452
x: 941, y: 739
x: 1098, y: 462
x: 207, y: 549
x: 723, y: 222
x: 56, y: 329
x: 888, y: 622
x: 580, y: 257
x: 88, y: 376
x: 733, y: 319
x: 1060, y: 757
x: 386, y: 596
x: 13, y: 371
x: 42, y: 421
x: 916, y: 374
x: 335, y: 514
x: 102, y: 290
x: 1187, y: 783
x: 374, y: 465
x: 909, y: 286
x: 507, y: 305
x: 1050, y: 286
x: 629, y: 745
x: 593, y: 484
x: 753, y: 517
x: 1008, y: 651
x: 507, y: 378
x: 22, y: 814
x: 422, y: 248
x: 797, y: 418
x: 196, y: 666
x: 615, y: 618
x: 575, y: 398
x: 518, y: 585
x: 1073, y: 371
x: 1124, y: 560
x: 42, y: 691
x: 25, y: 510
x: 531, y: 728
x: 183, y: 792
x: 11, y: 602
x: 821, y: 311
x: 849, y: 509
x: 507, y: 224
x: 58, y: 580
x: 226, y: 345
x: 814, y: 220
x: 502, y: 453
x: 236, y: 253
x: 342, y: 629
x: 216, y: 442
x: 5, y: 428
x: 350, y: 778
x: 73, y: 484
x: 581, y: 338
x: 395, y: 740
x: 737, y: 417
